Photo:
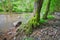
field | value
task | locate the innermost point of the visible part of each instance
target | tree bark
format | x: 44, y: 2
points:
x: 47, y: 10
x: 37, y: 9
x: 34, y: 20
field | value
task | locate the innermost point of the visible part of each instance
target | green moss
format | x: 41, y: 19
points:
x: 28, y: 38
x: 42, y: 21
x: 50, y: 17
x: 28, y: 28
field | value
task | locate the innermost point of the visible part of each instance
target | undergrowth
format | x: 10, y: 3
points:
x: 28, y: 38
x: 50, y: 17
x: 32, y: 23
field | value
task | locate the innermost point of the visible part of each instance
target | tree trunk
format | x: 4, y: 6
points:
x: 9, y: 6
x: 37, y: 9
x: 3, y: 6
x: 34, y: 20
x: 47, y: 10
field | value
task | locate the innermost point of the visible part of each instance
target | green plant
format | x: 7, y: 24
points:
x: 28, y: 5
x: 43, y: 21
x: 28, y: 28
x: 50, y: 17
x: 18, y: 5
x: 28, y: 38
x: 23, y: 5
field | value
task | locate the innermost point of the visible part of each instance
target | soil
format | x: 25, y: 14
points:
x: 49, y: 30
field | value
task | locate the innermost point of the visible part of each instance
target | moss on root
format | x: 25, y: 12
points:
x: 30, y: 25
x: 28, y: 28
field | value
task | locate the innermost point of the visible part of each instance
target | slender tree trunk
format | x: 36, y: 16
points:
x: 33, y: 22
x: 47, y: 10
x: 3, y: 6
x: 37, y: 9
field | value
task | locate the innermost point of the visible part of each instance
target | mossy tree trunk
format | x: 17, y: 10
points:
x: 47, y: 10
x: 3, y: 6
x: 37, y: 9
x: 34, y: 20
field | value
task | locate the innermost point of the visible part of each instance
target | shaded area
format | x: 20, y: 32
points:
x: 9, y: 23
x: 50, y: 30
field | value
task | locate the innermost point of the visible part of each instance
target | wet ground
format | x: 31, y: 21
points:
x: 50, y: 30
x: 6, y: 22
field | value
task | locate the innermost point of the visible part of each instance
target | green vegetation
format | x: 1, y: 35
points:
x: 28, y: 38
x: 42, y: 21
x: 50, y: 17
x: 33, y: 23
x: 39, y: 7
x: 28, y: 6
x: 17, y: 5
x: 54, y: 6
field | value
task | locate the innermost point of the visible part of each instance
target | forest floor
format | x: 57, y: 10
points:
x: 49, y: 30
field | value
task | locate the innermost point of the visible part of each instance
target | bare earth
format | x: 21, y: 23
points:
x: 50, y: 30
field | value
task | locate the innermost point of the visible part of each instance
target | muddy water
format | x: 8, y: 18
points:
x: 6, y: 22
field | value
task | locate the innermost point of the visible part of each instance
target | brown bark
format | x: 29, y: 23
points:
x: 37, y: 9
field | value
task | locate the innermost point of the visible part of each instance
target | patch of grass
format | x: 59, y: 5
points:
x: 50, y: 17
x: 43, y: 21
x: 28, y: 38
x: 3, y: 13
